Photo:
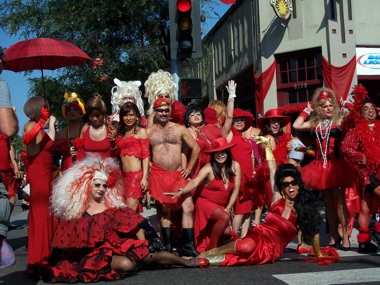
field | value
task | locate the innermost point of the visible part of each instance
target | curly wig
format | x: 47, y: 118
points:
x: 124, y: 90
x: 158, y: 84
x: 71, y: 192
x: 306, y: 203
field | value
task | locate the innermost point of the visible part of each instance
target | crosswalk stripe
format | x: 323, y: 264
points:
x: 331, y: 277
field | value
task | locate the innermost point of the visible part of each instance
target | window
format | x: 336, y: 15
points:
x: 298, y: 75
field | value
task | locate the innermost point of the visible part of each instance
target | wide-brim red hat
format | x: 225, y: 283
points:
x: 239, y: 113
x: 273, y: 114
x: 218, y: 144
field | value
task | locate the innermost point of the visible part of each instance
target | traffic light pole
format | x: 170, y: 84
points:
x: 175, y: 69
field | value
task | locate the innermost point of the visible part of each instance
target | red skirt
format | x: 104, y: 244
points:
x: 337, y: 173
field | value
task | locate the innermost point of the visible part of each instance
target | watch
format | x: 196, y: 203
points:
x: 283, y: 8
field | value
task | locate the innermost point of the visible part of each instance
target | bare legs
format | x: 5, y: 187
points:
x: 336, y: 212
x: 243, y: 221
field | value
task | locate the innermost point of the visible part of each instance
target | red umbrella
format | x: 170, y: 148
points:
x: 43, y: 53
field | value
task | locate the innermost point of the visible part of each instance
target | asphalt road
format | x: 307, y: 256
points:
x: 353, y: 268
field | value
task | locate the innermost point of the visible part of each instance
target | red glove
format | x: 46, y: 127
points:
x: 31, y: 135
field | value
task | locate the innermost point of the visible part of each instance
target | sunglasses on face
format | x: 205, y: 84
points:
x: 238, y: 120
x: 97, y: 185
x: 162, y: 110
x: 286, y: 184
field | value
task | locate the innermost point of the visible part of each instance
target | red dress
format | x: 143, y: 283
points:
x: 335, y: 173
x: 207, y: 200
x: 41, y: 223
x: 203, y: 158
x: 242, y: 153
x: 62, y: 146
x: 271, y: 238
x: 83, y: 248
x: 88, y: 145
x: 6, y: 167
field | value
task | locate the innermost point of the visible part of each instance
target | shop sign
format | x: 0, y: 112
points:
x: 368, y: 61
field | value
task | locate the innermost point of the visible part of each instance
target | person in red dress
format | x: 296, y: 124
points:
x: 73, y: 110
x: 97, y: 234
x: 242, y: 153
x: 361, y: 150
x: 328, y: 172
x: 39, y: 173
x: 134, y: 154
x: 220, y: 182
x: 96, y: 137
x: 267, y: 241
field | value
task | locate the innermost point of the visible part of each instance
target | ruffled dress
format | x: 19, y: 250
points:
x: 83, y: 248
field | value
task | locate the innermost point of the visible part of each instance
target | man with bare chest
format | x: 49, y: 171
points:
x: 169, y: 175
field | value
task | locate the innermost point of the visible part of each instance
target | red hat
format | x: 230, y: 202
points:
x: 210, y: 115
x: 272, y: 114
x: 218, y: 144
x: 239, y: 113
x: 161, y: 102
x: 178, y: 112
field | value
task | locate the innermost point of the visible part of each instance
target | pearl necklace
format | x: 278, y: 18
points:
x: 97, y: 132
x: 323, y: 136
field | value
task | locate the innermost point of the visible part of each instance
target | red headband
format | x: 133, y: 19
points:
x: 323, y: 95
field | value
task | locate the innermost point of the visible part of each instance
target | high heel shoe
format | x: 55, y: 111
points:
x: 301, y: 250
x: 336, y: 242
x: 25, y: 205
x: 346, y: 248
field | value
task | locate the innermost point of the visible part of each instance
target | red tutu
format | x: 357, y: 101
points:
x: 336, y: 174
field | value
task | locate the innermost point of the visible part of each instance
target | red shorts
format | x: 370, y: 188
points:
x: 132, y: 188
x: 161, y: 181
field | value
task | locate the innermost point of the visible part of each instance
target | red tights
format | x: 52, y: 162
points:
x: 221, y: 220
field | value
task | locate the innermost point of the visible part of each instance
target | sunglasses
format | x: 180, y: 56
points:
x: 239, y: 120
x: 286, y: 184
x: 97, y: 185
x: 162, y: 110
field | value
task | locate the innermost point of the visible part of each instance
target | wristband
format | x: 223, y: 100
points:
x: 304, y: 115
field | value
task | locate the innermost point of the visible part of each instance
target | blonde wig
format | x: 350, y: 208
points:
x: 220, y: 109
x: 72, y: 191
x: 320, y: 97
x: 157, y: 85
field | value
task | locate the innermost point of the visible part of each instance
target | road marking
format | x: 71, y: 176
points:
x: 358, y: 276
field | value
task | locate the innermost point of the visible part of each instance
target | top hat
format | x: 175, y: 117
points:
x: 272, y: 114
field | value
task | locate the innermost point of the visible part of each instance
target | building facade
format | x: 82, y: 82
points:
x: 280, y: 51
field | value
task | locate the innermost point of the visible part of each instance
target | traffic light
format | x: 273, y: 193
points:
x: 190, y: 88
x: 185, y: 29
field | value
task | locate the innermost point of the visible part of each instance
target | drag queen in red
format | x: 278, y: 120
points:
x: 134, y: 153
x: 328, y: 173
x: 220, y: 183
x: 362, y: 150
x: 39, y: 172
x: 293, y: 205
x: 95, y: 238
x: 96, y: 137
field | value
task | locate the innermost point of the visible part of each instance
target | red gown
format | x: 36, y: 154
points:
x: 41, y: 223
x: 336, y: 173
x: 83, y: 248
x: 242, y: 153
x: 207, y: 200
x: 271, y: 238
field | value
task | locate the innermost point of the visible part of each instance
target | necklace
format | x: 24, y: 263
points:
x: 323, y: 136
x: 289, y: 203
x: 97, y: 132
x: 224, y: 177
x: 371, y: 125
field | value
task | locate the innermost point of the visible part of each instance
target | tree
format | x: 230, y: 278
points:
x: 126, y: 33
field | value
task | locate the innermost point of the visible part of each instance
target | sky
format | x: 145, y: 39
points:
x: 18, y: 82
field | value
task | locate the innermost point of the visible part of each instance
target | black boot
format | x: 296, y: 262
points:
x: 367, y: 247
x: 167, y: 239
x: 155, y: 243
x: 188, y: 248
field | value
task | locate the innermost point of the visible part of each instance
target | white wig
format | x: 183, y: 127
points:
x: 123, y: 90
x: 72, y: 191
x: 159, y: 83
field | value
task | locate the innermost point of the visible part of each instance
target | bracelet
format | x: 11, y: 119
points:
x: 231, y: 99
x: 304, y: 115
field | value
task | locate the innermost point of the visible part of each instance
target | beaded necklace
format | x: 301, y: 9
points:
x: 323, y: 136
x: 99, y: 132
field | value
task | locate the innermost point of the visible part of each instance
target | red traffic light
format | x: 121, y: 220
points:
x: 184, y: 5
